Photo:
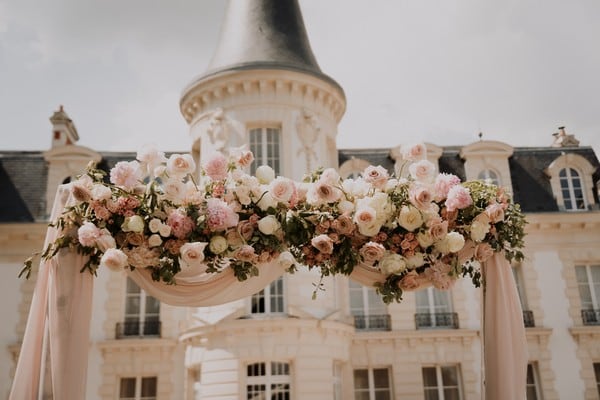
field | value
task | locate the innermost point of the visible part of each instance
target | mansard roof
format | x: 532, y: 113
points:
x: 23, y: 176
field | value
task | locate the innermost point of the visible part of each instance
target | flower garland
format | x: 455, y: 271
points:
x: 153, y: 214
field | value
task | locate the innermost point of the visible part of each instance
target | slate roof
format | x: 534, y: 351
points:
x: 23, y: 176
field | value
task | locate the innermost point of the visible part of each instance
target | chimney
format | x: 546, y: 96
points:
x: 563, y: 139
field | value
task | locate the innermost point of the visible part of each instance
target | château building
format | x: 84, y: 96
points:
x: 265, y: 89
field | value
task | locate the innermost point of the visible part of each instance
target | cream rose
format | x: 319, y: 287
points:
x: 456, y: 242
x: 286, y: 259
x: 101, y: 192
x: 154, y: 240
x: 392, y: 263
x: 345, y: 207
x: 268, y: 225
x: 192, y: 254
x: 372, y: 252
x: 164, y: 230
x: 495, y: 212
x: 265, y: 174
x: 410, y: 218
x: 425, y: 239
x: 135, y: 223
x: 154, y: 225
x: 282, y: 189
x: 415, y: 261
x: 479, y: 228
x: 422, y: 171
x: 267, y: 201
x: 323, y: 243
x: 218, y: 244
x: 114, y: 260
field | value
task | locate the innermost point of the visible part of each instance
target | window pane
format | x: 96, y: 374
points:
x: 127, y: 388
x: 382, y: 395
x: 152, y: 305
x: 258, y: 302
x: 381, y: 378
x: 132, y: 287
x: 149, y: 387
x: 451, y: 394
x: 362, y: 395
x: 361, y: 379
x: 132, y: 305
x: 431, y: 394
x: 429, y: 377
x: 449, y: 376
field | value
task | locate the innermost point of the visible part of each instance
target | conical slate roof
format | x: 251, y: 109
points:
x: 264, y: 34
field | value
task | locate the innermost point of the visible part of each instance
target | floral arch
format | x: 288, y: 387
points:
x: 224, y: 234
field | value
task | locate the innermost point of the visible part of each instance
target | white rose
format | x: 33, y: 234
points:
x: 356, y: 187
x: 265, y: 174
x: 105, y: 241
x: 479, y: 229
x: 425, y: 239
x: 154, y: 240
x: 180, y: 165
x: 218, y: 244
x: 135, y: 223
x: 410, y: 218
x: 268, y: 225
x: 456, y: 242
x: 415, y: 261
x: 267, y: 201
x: 286, y: 259
x: 101, y: 192
x: 392, y: 263
x: 345, y: 207
x: 114, y: 259
x: 154, y: 225
x: 366, y: 220
x: 192, y: 254
x: 164, y: 230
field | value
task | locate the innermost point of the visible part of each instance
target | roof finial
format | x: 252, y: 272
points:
x: 480, y: 134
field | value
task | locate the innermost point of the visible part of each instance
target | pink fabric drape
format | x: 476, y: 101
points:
x: 65, y: 295
x: 505, y: 343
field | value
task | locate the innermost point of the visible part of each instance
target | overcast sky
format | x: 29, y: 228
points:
x: 437, y: 71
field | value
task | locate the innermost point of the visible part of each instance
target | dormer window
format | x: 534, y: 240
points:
x: 571, y: 181
x: 489, y: 175
x: 571, y: 188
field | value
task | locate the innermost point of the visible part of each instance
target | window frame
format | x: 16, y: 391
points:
x: 267, y: 295
x: 439, y: 379
x: 370, y: 305
x: 533, y: 368
x: 262, y: 157
x: 371, y: 389
x: 142, y: 314
x: 570, y: 188
x: 138, y: 385
x: 269, y: 379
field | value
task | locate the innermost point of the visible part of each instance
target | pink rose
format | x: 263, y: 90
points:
x: 420, y: 197
x: 323, y: 243
x: 439, y: 276
x: 422, y: 171
x: 180, y: 165
x: 372, y: 252
x: 150, y: 158
x: 126, y: 174
x: 282, y: 189
x: 181, y: 224
x: 81, y: 193
x: 192, y: 254
x: 443, y: 183
x: 495, y: 212
x: 439, y: 230
x: 410, y: 281
x: 376, y: 176
x: 245, y: 229
x: 114, y: 260
x: 220, y: 216
x: 415, y: 152
x: 216, y: 167
x: 245, y: 253
x: 330, y: 176
x: 322, y: 192
x: 458, y: 198
x: 343, y: 225
x: 87, y: 234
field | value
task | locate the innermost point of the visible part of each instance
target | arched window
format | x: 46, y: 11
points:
x: 489, y: 175
x: 572, y: 189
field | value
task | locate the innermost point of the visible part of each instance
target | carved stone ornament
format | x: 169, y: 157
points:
x: 219, y: 128
x: 308, y: 130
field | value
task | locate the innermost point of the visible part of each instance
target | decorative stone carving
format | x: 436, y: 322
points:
x: 219, y: 128
x: 308, y: 130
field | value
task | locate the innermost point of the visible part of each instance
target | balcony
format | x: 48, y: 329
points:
x: 373, y: 322
x: 590, y: 317
x: 436, y: 320
x: 528, y: 319
x: 137, y: 329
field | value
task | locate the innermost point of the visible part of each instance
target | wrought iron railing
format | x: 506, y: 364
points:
x: 590, y: 317
x: 373, y: 322
x: 448, y: 320
x: 129, y: 329
x: 528, y: 319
